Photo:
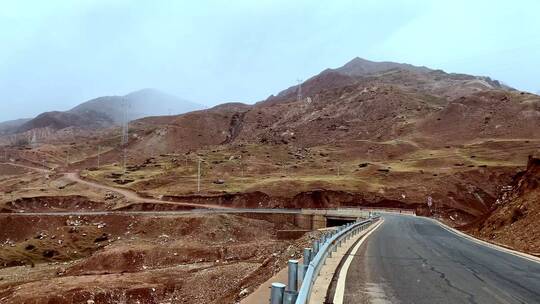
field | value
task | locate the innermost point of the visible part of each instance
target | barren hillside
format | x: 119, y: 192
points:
x: 366, y: 133
x: 514, y: 219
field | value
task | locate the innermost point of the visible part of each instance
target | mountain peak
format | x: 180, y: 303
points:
x: 363, y: 67
x: 146, y: 92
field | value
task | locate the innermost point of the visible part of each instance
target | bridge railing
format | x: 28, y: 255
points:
x: 314, y: 259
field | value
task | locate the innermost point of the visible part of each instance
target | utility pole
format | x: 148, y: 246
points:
x: 125, y: 132
x: 199, y: 176
x: 98, y: 155
x: 125, y: 122
x: 125, y: 152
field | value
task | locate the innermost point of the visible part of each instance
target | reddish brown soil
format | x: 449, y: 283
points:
x: 514, y: 220
x: 11, y: 170
x: 56, y: 203
x: 109, y: 259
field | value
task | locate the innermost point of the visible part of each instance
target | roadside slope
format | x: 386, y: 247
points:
x: 514, y: 221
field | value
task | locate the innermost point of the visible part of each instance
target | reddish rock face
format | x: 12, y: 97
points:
x: 514, y: 219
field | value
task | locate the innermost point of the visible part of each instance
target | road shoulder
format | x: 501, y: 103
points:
x: 471, y: 238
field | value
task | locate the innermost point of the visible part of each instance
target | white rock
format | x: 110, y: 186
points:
x: 244, y: 292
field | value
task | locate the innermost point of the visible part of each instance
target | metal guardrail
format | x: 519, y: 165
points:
x: 316, y: 256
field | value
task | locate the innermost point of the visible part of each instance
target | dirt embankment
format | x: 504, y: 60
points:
x: 76, y: 203
x: 514, y: 219
x: 125, y: 258
x: 312, y: 199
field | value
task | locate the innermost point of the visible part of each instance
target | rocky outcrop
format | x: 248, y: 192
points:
x: 514, y: 220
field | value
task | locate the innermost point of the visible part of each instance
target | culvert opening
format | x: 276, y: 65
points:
x: 338, y: 221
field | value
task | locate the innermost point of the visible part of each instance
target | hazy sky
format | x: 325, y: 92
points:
x: 55, y: 54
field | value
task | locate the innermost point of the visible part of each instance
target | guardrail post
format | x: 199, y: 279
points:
x: 277, y: 293
x: 315, y: 247
x: 290, y: 297
x: 307, y: 260
x: 293, y: 276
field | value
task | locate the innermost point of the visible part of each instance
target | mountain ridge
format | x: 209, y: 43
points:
x: 407, y: 76
x: 107, y: 111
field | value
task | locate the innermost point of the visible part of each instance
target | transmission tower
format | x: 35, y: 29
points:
x: 299, y: 90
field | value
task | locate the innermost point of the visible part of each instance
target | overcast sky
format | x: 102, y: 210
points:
x: 55, y: 54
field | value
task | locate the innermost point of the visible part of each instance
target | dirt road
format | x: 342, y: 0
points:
x: 128, y: 194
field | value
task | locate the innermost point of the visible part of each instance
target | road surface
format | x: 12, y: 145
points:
x: 415, y: 260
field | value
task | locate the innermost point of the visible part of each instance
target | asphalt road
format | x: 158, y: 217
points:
x: 415, y: 260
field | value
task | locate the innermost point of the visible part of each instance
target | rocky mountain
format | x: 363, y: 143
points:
x: 363, y: 67
x: 366, y: 100
x: 110, y: 110
x: 10, y: 126
x: 404, y: 76
x: 516, y: 212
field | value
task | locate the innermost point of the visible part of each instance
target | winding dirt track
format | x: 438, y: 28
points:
x: 128, y: 194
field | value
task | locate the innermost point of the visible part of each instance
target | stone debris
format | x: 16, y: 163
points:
x: 110, y: 195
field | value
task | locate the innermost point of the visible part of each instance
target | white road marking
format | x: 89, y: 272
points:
x: 523, y: 255
x: 340, y: 285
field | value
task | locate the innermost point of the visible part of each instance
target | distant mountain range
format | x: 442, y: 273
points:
x: 12, y: 125
x: 360, y: 101
x: 105, y: 111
